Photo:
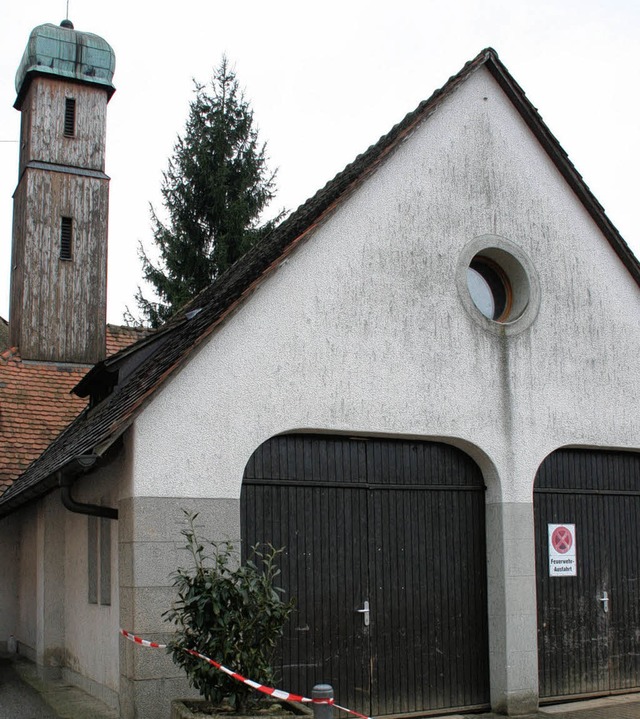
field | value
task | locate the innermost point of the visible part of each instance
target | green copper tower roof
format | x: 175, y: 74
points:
x: 61, y: 51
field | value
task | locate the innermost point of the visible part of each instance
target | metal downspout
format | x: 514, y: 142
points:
x: 66, y: 478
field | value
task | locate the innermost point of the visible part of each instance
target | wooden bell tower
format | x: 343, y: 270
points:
x: 59, y: 253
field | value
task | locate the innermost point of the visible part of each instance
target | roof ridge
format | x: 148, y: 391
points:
x: 128, y: 328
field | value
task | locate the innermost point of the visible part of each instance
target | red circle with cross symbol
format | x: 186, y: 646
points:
x: 562, y: 539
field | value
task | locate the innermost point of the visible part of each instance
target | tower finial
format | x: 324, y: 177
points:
x: 66, y: 23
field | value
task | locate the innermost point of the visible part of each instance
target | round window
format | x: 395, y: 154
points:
x: 498, y: 285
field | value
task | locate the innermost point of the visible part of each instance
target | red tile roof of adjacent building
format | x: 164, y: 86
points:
x: 119, y: 337
x: 4, y: 334
x: 37, y: 403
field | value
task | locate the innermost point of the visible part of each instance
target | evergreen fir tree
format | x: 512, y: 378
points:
x: 214, y: 190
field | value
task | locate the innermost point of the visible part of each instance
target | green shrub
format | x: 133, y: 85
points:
x: 229, y: 611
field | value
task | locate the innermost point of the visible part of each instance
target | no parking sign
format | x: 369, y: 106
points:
x: 562, y: 550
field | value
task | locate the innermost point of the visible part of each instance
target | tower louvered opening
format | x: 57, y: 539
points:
x: 69, y: 117
x: 66, y: 233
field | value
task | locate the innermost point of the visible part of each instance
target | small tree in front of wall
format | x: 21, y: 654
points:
x: 230, y: 611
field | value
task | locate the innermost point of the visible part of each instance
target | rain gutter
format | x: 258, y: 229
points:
x: 67, y: 476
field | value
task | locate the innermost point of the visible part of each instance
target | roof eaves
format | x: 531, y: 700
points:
x: 19, y: 494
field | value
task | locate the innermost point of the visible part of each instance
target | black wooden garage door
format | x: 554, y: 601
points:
x: 589, y: 624
x: 395, y: 527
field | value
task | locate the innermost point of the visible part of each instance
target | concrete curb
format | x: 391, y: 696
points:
x: 620, y: 706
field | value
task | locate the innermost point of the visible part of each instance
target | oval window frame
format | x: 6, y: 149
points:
x: 519, y: 278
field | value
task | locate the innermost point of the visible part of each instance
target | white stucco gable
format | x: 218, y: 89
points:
x: 365, y: 328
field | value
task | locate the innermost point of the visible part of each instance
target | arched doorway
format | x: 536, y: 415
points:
x: 385, y: 553
x: 588, y: 616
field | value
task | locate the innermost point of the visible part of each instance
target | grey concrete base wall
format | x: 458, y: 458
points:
x: 513, y: 643
x: 151, y: 548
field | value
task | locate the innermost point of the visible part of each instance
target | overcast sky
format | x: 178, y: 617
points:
x: 325, y: 81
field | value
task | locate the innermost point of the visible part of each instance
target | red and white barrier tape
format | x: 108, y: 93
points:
x: 277, y: 693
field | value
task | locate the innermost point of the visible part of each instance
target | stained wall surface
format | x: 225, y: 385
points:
x: 59, y: 305
x: 92, y: 623
x: 364, y: 328
x: 26, y: 624
x: 43, y: 113
x: 58, y: 296
x: 9, y: 556
x: 47, y: 606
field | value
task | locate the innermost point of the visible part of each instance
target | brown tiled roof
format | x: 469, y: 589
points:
x: 163, y: 353
x: 37, y: 403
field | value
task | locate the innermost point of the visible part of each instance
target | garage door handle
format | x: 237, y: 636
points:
x: 365, y: 611
x: 605, y: 600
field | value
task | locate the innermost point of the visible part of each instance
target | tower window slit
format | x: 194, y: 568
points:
x: 69, y: 117
x: 66, y: 232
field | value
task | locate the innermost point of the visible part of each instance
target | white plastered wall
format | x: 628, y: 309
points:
x: 91, y: 630
x: 9, y: 556
x: 52, y: 619
x: 27, y: 583
x: 362, y: 329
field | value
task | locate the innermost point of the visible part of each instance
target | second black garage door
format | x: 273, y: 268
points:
x: 589, y: 621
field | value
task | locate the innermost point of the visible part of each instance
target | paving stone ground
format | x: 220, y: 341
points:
x: 23, y: 695
x: 18, y: 701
